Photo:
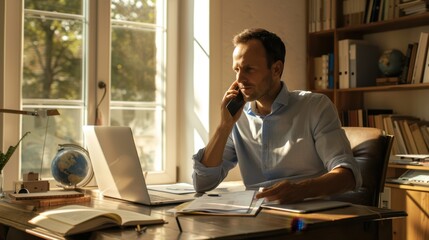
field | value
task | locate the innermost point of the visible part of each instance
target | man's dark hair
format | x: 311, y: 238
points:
x: 274, y: 47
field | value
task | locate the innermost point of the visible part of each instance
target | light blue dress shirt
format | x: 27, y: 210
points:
x: 301, y: 138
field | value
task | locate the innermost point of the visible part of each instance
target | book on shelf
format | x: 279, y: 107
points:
x: 422, y: 148
x: 318, y: 73
x: 402, y: 133
x: 409, y: 139
x: 75, y: 219
x: 420, y: 58
x: 424, y: 128
x: 412, y: 62
x: 404, y: 74
x: 425, y: 78
x: 331, y: 65
x: 364, y: 117
x: 344, y: 61
x: 364, y: 69
x: 321, y: 15
x: 412, y: 7
x: 353, y: 12
x: 323, y: 71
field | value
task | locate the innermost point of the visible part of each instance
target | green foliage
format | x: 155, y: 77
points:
x: 4, y: 158
x: 54, y: 51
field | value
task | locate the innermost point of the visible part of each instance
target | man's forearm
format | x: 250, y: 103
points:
x: 214, y: 150
x: 336, y: 181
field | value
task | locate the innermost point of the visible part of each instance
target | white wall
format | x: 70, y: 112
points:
x: 228, y: 17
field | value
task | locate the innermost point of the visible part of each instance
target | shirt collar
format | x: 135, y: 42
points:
x: 282, y: 99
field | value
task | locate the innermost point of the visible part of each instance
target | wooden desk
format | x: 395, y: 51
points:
x: 355, y: 222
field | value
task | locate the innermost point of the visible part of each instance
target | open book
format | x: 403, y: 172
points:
x: 240, y: 203
x: 74, y: 219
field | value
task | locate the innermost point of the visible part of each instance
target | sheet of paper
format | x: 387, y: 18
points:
x: 176, y: 188
x: 238, y: 202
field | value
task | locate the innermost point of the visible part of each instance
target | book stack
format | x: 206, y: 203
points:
x: 411, y: 135
x: 321, y: 15
x: 381, y: 10
x: 49, y: 198
x: 323, y: 71
x: 410, y: 7
x: 364, y: 117
x: 353, y: 12
x: 358, y: 63
x: 416, y: 63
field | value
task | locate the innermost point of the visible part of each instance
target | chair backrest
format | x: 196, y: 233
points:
x: 371, y: 149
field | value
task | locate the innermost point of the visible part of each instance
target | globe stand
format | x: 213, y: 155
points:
x: 71, y: 166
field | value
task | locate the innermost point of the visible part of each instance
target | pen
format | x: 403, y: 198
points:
x: 178, y: 224
x: 213, y: 195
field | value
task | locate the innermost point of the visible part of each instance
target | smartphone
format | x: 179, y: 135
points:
x: 236, y: 103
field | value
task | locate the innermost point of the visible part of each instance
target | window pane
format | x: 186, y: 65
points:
x: 137, y: 78
x: 134, y: 10
x: 46, y: 133
x: 133, y: 65
x: 52, y: 59
x: 61, y: 6
x: 146, y: 126
x: 53, y: 78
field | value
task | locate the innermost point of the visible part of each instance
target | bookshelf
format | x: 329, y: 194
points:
x: 394, y: 31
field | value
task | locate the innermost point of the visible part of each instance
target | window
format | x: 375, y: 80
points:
x: 62, y: 63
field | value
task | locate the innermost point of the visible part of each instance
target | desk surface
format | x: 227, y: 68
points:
x: 267, y: 224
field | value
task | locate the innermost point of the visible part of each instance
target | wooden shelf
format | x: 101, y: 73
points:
x: 413, y: 167
x: 400, y: 87
x: 410, y: 198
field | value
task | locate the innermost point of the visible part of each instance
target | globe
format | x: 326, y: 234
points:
x: 391, y: 63
x: 71, y: 166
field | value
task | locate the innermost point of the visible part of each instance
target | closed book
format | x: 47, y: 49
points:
x: 424, y: 128
x: 318, y: 72
x: 420, y: 58
x: 331, y: 71
x: 404, y: 74
x: 400, y: 138
x: 344, y: 61
x: 408, y: 138
x: 418, y: 138
x: 363, y: 64
x: 377, y: 116
x: 425, y: 78
x: 412, y: 63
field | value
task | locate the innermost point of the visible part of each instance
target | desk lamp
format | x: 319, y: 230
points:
x: 31, y: 179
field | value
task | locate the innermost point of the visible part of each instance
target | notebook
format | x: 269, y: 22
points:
x: 117, y: 167
x: 307, y: 206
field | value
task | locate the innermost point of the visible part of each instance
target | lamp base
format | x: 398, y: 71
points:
x: 31, y: 186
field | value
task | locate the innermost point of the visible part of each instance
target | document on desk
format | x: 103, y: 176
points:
x: 240, y: 203
x: 176, y: 188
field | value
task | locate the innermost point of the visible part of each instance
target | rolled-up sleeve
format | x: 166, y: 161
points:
x: 331, y: 141
x: 208, y: 178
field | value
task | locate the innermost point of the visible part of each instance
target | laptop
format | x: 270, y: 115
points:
x: 307, y: 206
x: 117, y: 167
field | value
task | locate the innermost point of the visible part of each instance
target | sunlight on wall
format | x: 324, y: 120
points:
x: 201, y: 63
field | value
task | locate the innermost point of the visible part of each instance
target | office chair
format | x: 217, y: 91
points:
x: 371, y: 147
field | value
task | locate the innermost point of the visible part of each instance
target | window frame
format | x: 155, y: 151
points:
x: 98, y: 69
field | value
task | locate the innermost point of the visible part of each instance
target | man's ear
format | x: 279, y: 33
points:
x: 277, y: 69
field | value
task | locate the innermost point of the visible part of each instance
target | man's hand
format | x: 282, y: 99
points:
x: 229, y: 95
x: 284, y: 192
x: 338, y: 180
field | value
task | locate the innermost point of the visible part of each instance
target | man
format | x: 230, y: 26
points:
x: 290, y: 143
